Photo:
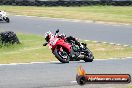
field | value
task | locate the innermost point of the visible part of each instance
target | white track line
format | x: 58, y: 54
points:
x: 73, y: 82
x: 31, y: 63
x: 59, y: 62
x: 108, y: 43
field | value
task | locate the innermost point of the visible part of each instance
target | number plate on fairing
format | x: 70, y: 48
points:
x: 53, y: 41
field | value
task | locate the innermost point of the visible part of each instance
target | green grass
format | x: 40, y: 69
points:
x: 130, y: 86
x: 122, y: 14
x: 31, y: 50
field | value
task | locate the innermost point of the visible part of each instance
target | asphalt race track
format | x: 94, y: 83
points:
x: 91, y: 31
x: 55, y: 74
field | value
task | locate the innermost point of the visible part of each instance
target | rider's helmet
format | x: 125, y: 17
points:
x: 48, y: 36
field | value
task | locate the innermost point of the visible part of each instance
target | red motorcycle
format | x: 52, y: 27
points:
x: 67, y: 49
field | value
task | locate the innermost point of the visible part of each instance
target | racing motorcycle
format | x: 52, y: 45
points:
x: 3, y: 16
x: 67, y: 49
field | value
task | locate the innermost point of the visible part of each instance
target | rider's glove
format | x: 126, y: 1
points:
x: 45, y: 44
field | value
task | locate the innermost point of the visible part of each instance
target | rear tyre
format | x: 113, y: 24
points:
x: 89, y: 56
x: 62, y: 56
x: 88, y: 59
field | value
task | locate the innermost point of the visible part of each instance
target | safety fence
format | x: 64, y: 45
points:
x: 66, y: 3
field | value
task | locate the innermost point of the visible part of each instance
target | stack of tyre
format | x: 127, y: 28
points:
x: 8, y: 37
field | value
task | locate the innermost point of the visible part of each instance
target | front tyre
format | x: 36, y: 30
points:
x: 7, y: 19
x: 61, y: 54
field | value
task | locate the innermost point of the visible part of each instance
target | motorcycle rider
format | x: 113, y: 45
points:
x: 2, y: 13
x: 71, y: 38
x: 49, y: 35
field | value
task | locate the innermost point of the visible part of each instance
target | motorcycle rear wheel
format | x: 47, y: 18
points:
x: 59, y: 55
x: 89, y: 57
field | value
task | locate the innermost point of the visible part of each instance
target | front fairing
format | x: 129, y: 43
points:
x: 62, y: 43
x: 52, y: 42
x: 55, y: 41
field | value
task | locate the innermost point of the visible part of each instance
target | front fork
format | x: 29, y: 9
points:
x: 5, y: 17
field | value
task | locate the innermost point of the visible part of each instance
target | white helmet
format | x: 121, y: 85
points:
x: 48, y: 36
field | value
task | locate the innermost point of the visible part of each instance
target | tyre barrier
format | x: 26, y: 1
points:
x: 8, y: 37
x: 67, y: 3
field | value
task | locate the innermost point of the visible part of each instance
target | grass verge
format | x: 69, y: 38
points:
x: 31, y: 50
x: 130, y: 86
x: 122, y: 14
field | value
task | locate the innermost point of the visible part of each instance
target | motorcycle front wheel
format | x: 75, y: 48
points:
x: 61, y: 54
x: 7, y: 19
